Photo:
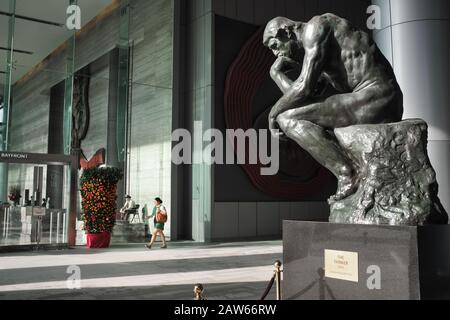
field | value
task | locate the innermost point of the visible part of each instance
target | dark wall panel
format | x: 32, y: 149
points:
x: 231, y: 182
x: 260, y: 11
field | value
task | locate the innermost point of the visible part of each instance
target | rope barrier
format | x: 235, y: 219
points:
x: 269, y: 287
x: 276, y: 278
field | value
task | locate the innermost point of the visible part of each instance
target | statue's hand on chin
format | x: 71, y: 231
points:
x: 284, y: 64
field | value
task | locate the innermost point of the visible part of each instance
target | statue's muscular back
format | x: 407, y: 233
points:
x: 353, y: 61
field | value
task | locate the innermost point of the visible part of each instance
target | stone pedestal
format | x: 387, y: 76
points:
x: 394, y: 180
x: 393, y: 262
x: 123, y: 233
x: 126, y: 232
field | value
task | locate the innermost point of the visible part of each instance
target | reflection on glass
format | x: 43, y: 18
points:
x: 31, y: 216
x: 122, y: 84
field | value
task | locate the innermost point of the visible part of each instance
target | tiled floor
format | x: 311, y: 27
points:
x: 228, y: 271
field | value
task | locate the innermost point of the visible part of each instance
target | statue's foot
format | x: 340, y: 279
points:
x: 347, y: 185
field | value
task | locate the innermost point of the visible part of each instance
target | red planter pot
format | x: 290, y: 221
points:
x: 98, y: 240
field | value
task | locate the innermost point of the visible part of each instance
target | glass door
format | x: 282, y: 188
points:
x: 37, y: 210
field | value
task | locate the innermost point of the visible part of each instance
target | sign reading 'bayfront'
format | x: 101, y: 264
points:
x: 13, y: 155
x: 342, y: 265
x: 36, y: 158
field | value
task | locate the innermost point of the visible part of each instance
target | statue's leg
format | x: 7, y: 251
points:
x: 322, y: 147
x: 307, y: 126
x: 373, y: 105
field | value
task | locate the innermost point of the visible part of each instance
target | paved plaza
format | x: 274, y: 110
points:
x: 228, y: 271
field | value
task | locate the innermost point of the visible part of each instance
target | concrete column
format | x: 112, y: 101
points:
x: 200, y: 103
x: 112, y: 158
x: 415, y: 39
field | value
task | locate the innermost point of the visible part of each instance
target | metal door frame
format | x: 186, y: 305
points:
x: 52, y: 159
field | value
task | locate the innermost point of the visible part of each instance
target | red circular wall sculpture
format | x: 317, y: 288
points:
x: 245, y: 77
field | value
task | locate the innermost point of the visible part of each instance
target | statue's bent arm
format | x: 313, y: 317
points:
x: 315, y: 44
x: 280, y: 76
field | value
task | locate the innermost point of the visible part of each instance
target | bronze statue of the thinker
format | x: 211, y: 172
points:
x: 329, y: 50
x: 381, y: 163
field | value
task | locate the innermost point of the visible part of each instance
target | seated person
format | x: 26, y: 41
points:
x: 127, y: 207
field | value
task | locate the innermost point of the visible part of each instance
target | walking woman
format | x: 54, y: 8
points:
x: 159, y: 216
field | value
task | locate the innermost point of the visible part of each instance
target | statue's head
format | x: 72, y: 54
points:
x: 281, y: 38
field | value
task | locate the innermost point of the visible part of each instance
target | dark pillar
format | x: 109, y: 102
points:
x: 55, y: 174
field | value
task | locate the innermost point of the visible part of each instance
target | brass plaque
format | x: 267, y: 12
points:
x: 342, y: 265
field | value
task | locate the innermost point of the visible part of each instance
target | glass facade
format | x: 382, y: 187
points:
x: 75, y: 91
x: 23, y: 223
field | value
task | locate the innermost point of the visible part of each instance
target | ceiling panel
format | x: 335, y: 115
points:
x: 52, y: 10
x: 41, y: 39
x: 4, y: 5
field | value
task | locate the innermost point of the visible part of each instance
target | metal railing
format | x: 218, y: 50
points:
x: 276, y: 278
x: 23, y: 226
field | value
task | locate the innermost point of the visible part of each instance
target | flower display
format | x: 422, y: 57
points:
x: 98, y: 187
